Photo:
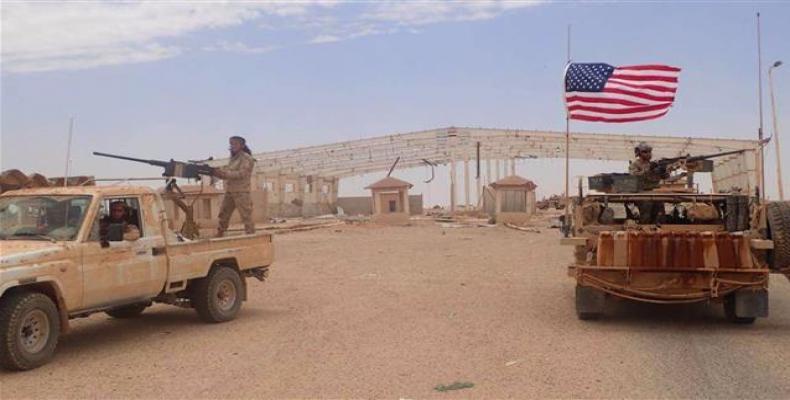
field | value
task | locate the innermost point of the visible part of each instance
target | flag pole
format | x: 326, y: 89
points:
x: 567, y: 144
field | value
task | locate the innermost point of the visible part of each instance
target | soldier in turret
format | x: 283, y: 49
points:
x: 641, y: 166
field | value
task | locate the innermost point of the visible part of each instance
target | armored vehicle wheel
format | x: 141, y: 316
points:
x: 729, y: 311
x: 218, y: 297
x: 128, y: 311
x: 589, y: 303
x: 778, y: 214
x: 29, y: 330
x: 744, y: 305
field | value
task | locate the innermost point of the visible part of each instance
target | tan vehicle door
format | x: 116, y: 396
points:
x: 124, y: 270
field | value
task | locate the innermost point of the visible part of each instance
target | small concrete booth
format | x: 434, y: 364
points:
x: 390, y: 198
x: 514, y: 200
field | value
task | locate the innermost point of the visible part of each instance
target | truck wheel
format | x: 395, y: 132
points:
x: 778, y: 214
x: 128, y: 311
x: 217, y: 297
x: 29, y: 330
x: 729, y: 311
x: 590, y: 303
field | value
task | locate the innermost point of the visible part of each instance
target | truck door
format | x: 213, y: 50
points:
x: 121, y: 271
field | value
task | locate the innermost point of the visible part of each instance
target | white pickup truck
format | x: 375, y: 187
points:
x: 57, y: 264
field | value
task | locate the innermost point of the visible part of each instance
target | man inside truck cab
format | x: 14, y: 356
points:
x: 119, y: 215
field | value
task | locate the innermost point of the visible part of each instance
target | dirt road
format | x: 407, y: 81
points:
x: 392, y: 312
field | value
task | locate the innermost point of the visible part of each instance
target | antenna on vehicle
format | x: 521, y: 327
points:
x: 68, y: 153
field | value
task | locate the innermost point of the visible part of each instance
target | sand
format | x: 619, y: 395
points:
x: 391, y: 312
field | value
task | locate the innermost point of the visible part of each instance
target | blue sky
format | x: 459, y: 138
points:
x: 175, y: 79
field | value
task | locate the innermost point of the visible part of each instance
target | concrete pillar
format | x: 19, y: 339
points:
x: 405, y: 196
x: 452, y: 185
x: 301, y: 186
x: 497, y: 201
x: 526, y: 202
x: 531, y: 204
x: 335, y: 189
x: 479, y: 181
x: 467, y: 203
x: 376, y: 203
x: 498, y: 170
x: 488, y: 171
x: 279, y: 189
x: 315, y: 190
x: 512, y: 166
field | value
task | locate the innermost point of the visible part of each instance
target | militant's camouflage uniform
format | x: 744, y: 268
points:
x: 237, y: 192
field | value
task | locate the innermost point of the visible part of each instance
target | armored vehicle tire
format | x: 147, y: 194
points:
x: 590, y: 303
x: 218, y: 297
x: 778, y: 214
x: 729, y: 311
x: 128, y: 311
x: 29, y: 330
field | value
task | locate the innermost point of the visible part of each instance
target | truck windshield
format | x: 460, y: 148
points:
x: 42, y: 217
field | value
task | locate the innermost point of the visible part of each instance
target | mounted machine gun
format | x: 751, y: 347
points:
x: 660, y: 175
x: 173, y: 169
x: 688, y: 163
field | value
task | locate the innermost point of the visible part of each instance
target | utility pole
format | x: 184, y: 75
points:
x: 776, y: 131
x: 760, y: 178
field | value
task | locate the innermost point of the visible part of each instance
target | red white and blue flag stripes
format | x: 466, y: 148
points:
x: 599, y: 92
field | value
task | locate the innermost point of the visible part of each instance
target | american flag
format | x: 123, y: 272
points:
x: 602, y: 93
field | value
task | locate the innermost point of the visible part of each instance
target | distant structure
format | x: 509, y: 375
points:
x: 305, y: 181
x: 513, y: 200
x: 390, y: 197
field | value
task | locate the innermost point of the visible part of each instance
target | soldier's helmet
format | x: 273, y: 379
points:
x: 642, y: 146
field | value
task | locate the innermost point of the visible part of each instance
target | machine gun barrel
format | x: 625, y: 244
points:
x: 691, y: 163
x: 689, y: 158
x: 151, y: 162
x: 716, y: 155
x: 189, y: 170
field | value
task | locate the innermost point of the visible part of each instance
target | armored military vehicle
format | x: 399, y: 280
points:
x: 670, y: 244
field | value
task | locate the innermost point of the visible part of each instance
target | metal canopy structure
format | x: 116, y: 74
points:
x: 450, y: 145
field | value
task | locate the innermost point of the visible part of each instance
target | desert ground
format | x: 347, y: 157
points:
x: 363, y: 311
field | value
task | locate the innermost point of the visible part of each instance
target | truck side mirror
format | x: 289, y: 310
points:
x: 114, y: 233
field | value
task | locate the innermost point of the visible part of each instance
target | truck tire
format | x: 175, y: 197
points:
x: 778, y: 214
x: 218, y: 297
x: 590, y: 303
x: 29, y: 330
x: 128, y: 311
x: 729, y: 311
